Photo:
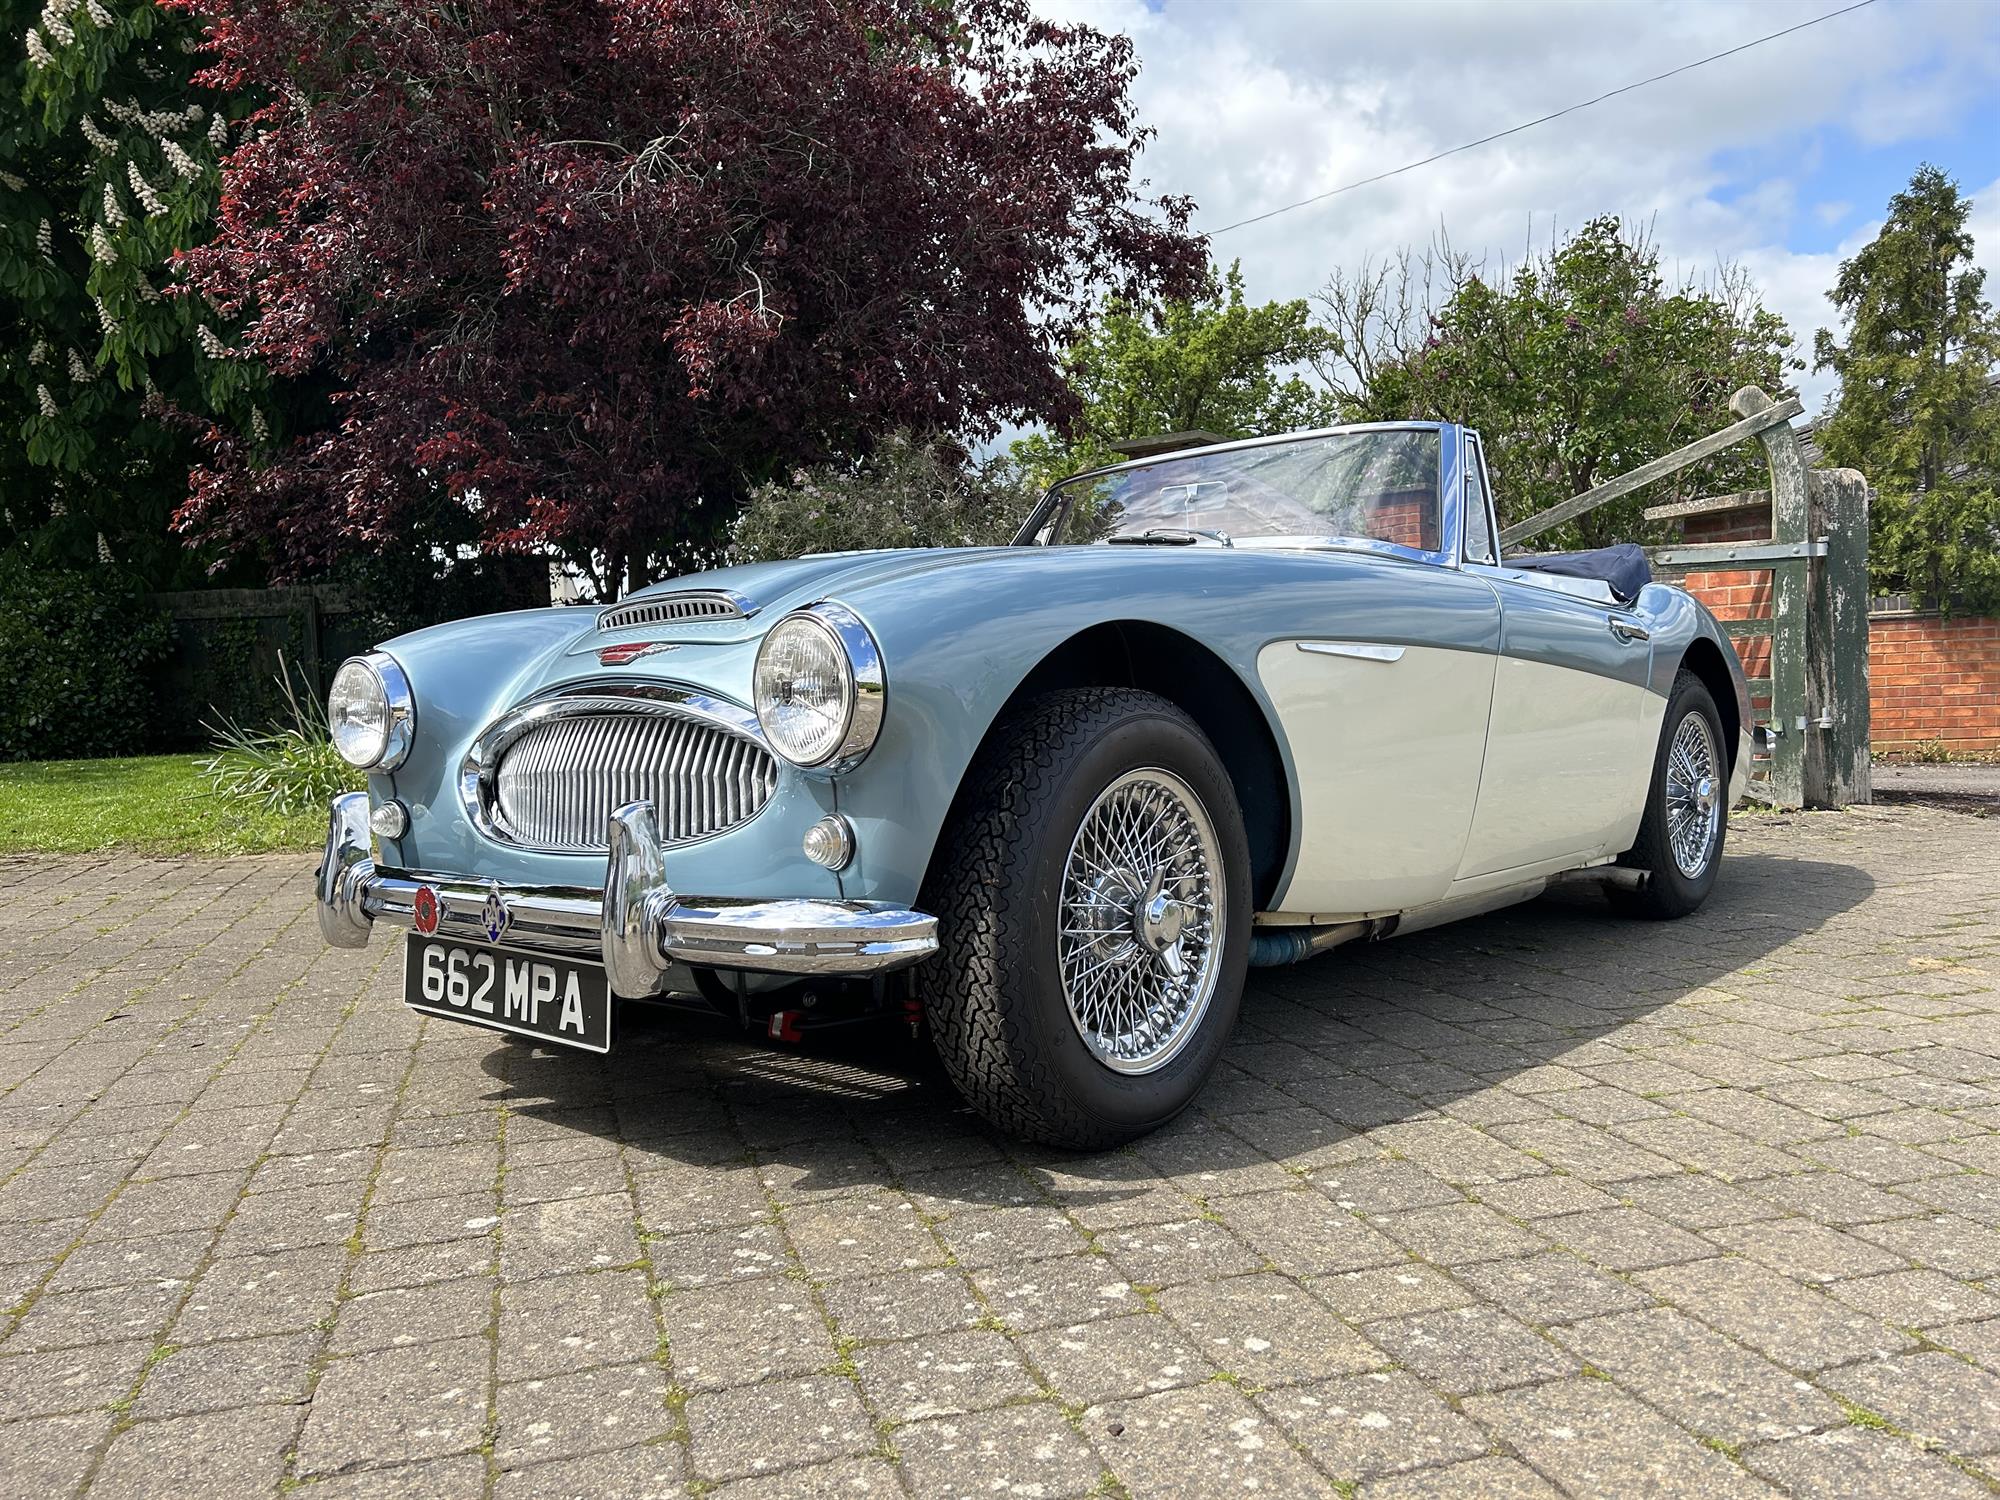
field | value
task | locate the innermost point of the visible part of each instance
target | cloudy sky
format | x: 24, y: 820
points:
x: 1781, y: 158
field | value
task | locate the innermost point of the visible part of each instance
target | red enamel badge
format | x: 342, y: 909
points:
x: 424, y: 908
x: 630, y: 651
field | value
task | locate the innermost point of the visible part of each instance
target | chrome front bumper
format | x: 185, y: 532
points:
x: 636, y: 926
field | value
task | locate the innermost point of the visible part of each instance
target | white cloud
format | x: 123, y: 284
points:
x: 1258, y: 105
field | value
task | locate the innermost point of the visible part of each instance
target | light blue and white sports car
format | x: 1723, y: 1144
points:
x: 1229, y: 706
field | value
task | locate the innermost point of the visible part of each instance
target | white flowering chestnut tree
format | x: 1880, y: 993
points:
x: 108, y: 367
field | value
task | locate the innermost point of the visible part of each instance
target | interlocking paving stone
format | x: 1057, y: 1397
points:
x: 1801, y: 1329
x: 1487, y: 1478
x: 1459, y: 1234
x: 269, y: 1212
x: 1202, y: 1440
x: 560, y: 1416
x: 1593, y: 1439
x: 1365, y: 1425
x: 49, y: 1455
x: 906, y: 1304
x: 650, y: 1471
x: 69, y: 1380
x: 1698, y: 1377
x: 1390, y: 1291
x: 1186, y: 1250
x: 1931, y: 1396
x: 1808, y: 1251
x: 777, y: 1425
x: 944, y: 1373
x: 1956, y: 1246
x: 1044, y: 1293
x: 863, y: 1236
x: 1305, y: 1234
x: 1470, y: 1349
x: 240, y: 1452
x: 1853, y: 1461
x: 1005, y: 1235
x: 1917, y: 1299
x: 548, y: 1239
x: 234, y: 1372
x: 256, y: 1294
x: 1117, y: 1358
x: 735, y: 1335
x: 397, y: 1404
x: 411, y: 1315
x: 1017, y: 1450
x: 1265, y: 1329
x: 1978, y: 1342
x: 563, y: 1323
x: 1549, y: 1288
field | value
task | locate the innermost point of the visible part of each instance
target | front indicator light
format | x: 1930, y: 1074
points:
x: 830, y: 842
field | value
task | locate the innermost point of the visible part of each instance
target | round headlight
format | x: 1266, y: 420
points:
x: 369, y: 712
x: 819, y: 687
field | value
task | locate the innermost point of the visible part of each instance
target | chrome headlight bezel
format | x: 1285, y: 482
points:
x: 399, y: 708
x: 864, y: 687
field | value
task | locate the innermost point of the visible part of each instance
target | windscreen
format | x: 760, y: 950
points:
x: 1378, y: 486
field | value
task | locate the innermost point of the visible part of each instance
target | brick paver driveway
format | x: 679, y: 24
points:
x: 1547, y: 1202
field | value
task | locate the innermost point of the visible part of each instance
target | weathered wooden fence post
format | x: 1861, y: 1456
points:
x: 1837, y: 755
x: 1791, y: 525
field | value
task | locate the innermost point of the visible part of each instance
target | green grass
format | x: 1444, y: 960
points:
x: 155, y: 804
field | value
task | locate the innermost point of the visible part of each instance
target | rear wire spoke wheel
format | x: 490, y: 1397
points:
x: 1687, y: 808
x: 1694, y: 795
x: 1093, y: 899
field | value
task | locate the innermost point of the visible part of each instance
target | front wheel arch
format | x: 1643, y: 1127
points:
x: 1163, y: 661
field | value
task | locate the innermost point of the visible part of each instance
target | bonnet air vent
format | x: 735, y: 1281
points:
x: 672, y: 608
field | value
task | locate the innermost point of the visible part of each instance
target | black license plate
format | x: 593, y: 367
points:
x: 533, y: 994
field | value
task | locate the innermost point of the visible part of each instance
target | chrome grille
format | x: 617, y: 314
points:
x: 672, y: 607
x: 558, y: 784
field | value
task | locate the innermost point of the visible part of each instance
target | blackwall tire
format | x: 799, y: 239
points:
x: 1094, y: 905
x: 1687, y: 809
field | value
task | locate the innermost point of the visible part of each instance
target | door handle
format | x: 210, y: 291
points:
x: 1629, y: 630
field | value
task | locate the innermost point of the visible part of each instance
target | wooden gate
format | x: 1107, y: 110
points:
x: 1812, y: 699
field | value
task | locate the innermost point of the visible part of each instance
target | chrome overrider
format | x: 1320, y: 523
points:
x: 636, y: 926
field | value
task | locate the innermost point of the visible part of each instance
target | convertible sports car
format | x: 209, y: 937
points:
x: 1046, y: 802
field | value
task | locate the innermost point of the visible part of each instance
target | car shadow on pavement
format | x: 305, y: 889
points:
x: 1449, y: 1023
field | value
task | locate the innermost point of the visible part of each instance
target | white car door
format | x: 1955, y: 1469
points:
x: 1385, y: 713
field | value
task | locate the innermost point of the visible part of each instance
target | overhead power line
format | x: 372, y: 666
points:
x: 1688, y: 67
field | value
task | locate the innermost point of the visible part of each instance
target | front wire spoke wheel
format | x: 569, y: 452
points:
x: 1141, y: 930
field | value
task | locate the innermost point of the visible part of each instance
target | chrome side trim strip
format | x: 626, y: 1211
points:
x: 1358, y: 650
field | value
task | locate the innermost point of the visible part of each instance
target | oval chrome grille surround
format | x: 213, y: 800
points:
x: 557, y: 784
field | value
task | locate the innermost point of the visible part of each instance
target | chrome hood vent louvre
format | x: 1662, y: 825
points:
x: 706, y: 604
x: 549, y: 776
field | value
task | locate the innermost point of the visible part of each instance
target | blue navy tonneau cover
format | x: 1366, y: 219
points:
x: 1623, y: 567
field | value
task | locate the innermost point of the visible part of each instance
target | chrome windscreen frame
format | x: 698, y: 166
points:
x: 478, y: 771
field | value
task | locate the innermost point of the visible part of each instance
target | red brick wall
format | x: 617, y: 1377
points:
x: 1930, y: 680
x: 1934, y: 680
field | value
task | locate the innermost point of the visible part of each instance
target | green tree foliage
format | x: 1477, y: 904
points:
x: 1918, y: 411
x: 1579, y: 365
x: 907, y: 493
x: 1211, y: 363
x: 107, y: 166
